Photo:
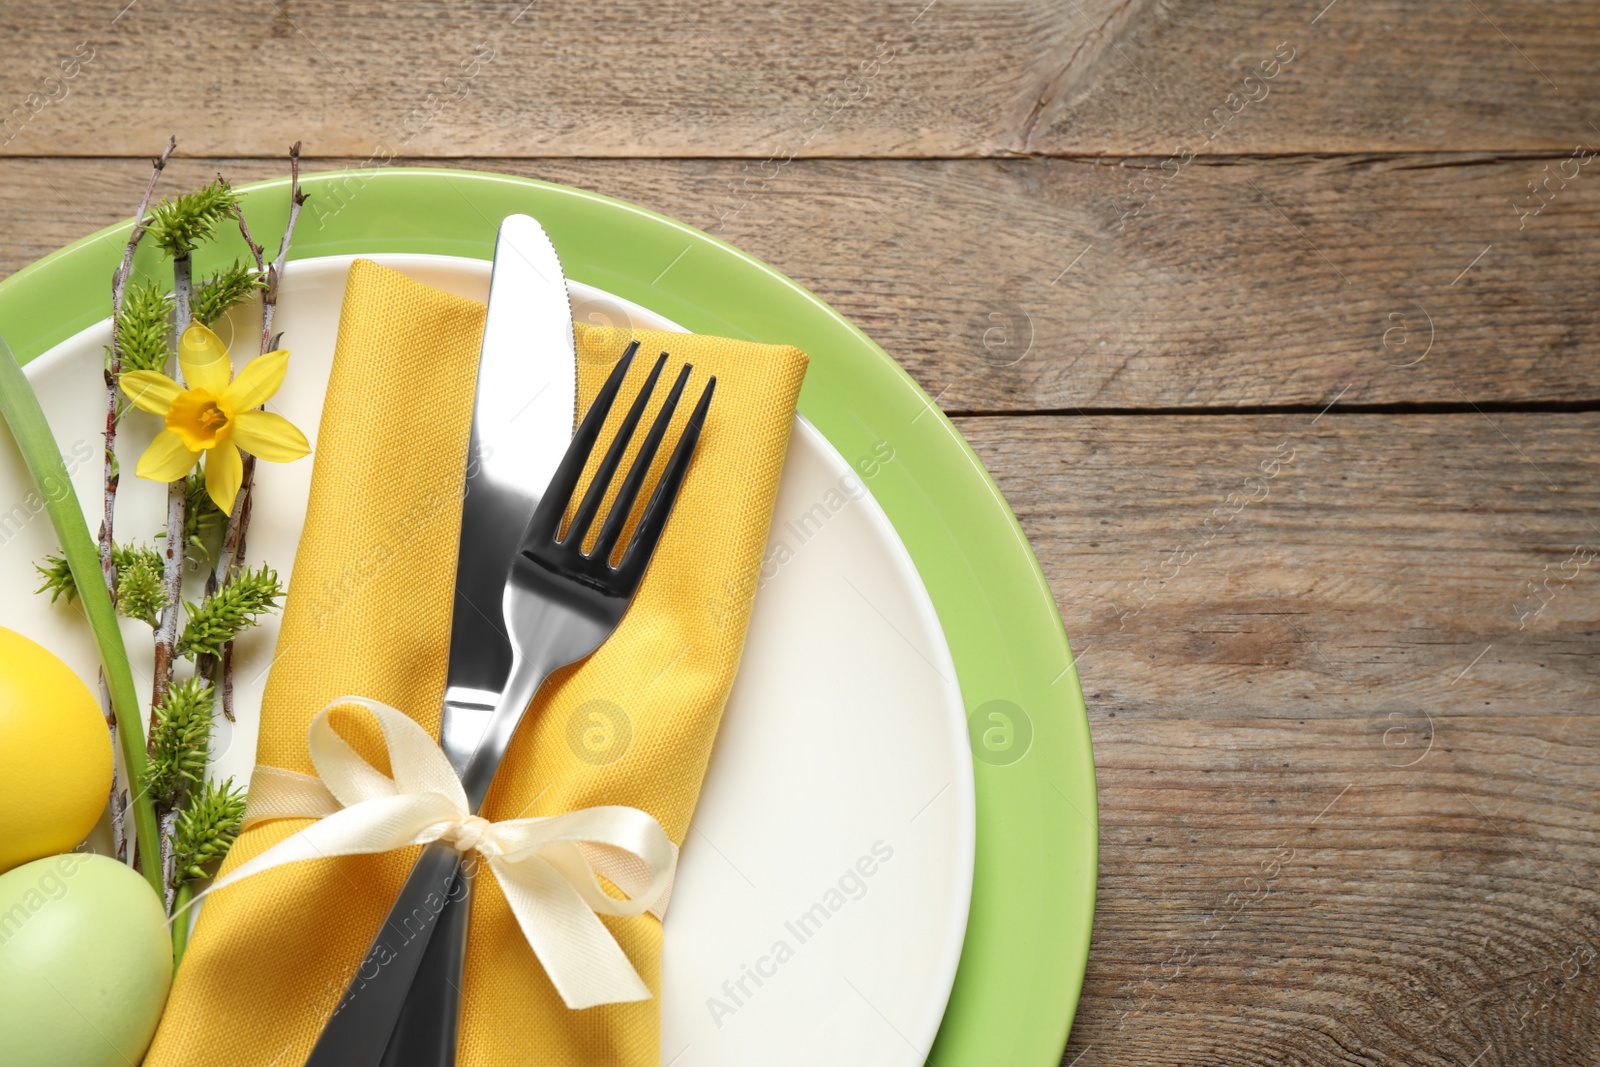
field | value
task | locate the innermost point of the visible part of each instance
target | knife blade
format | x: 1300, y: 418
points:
x: 521, y: 424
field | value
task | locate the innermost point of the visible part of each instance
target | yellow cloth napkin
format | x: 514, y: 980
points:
x: 368, y: 613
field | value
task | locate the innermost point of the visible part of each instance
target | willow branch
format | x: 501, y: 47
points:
x: 256, y: 250
x: 233, y: 543
x: 108, y: 567
x: 169, y: 820
x: 269, y: 301
x: 118, y: 801
x: 119, y: 814
x: 119, y: 285
x: 177, y: 500
x: 236, y: 561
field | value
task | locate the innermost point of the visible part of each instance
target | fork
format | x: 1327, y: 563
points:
x: 560, y: 604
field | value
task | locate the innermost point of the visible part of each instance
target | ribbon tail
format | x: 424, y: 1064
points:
x: 624, y: 844
x: 584, y: 962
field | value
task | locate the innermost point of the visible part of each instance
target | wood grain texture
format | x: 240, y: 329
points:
x: 724, y: 78
x: 1348, y: 767
x: 1019, y: 286
x: 1340, y: 667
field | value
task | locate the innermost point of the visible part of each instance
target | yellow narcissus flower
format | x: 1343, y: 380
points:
x: 214, y: 415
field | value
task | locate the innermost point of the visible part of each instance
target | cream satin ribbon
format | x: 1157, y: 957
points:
x: 546, y: 867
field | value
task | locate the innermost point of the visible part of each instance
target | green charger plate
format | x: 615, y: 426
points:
x: 1033, y: 886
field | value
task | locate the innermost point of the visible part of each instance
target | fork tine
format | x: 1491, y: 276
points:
x: 654, y: 520
x: 622, y: 506
x: 546, y: 521
x: 584, y: 518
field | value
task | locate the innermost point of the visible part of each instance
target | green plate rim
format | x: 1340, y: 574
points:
x: 1027, y: 941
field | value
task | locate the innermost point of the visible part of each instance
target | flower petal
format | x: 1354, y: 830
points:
x: 167, y: 459
x: 258, y: 380
x: 271, y: 437
x: 150, y: 390
x: 224, y: 475
x: 204, y: 359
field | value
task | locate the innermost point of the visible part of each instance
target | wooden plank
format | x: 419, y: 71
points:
x: 724, y: 78
x: 1260, y: 77
x: 1025, y: 285
x: 1345, y: 732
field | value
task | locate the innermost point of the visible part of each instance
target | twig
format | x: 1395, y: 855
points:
x: 169, y: 820
x: 227, y: 681
x: 182, y: 293
x: 269, y: 300
x: 236, y: 562
x: 255, y: 249
x: 205, y: 663
x: 231, y: 558
x: 119, y: 285
x: 177, y: 500
x: 118, y: 801
x: 113, y: 372
x: 119, y: 809
x: 233, y: 543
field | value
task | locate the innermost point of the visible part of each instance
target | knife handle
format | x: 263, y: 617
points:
x: 429, y: 1024
x: 377, y: 991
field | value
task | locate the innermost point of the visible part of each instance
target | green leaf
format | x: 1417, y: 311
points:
x: 20, y: 409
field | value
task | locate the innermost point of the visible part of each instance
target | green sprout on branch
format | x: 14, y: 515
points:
x: 143, y: 327
x: 206, y: 829
x: 139, y: 593
x: 204, y: 524
x: 180, y: 739
x: 232, y: 609
x: 57, y: 575
x: 216, y: 295
x: 180, y: 223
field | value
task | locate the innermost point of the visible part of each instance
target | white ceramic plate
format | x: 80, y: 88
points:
x: 822, y: 896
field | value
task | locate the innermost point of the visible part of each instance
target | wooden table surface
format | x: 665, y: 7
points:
x: 1276, y: 324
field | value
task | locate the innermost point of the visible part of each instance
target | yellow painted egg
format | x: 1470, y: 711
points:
x: 85, y: 963
x: 55, y: 754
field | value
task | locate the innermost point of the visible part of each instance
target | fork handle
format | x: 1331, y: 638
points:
x: 377, y: 991
x: 429, y: 1024
x: 426, y: 1031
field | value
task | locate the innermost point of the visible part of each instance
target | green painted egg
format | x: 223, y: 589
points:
x: 85, y: 962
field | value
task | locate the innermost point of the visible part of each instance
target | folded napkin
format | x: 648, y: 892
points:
x: 368, y: 613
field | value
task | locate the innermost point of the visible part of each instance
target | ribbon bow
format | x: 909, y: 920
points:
x: 546, y: 867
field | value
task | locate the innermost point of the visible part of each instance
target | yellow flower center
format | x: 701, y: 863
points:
x: 201, y: 419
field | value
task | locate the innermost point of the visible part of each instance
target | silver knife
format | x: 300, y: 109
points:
x: 521, y: 425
